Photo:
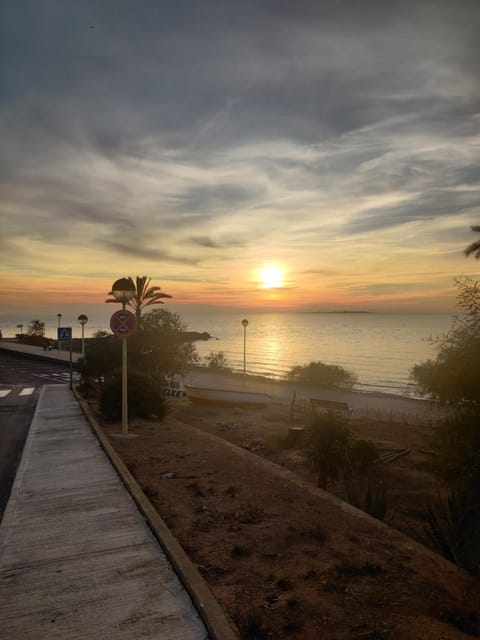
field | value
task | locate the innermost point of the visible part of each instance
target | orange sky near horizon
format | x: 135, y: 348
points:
x: 201, y: 143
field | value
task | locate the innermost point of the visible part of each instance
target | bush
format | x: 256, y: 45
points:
x: 145, y: 397
x: 452, y: 526
x: 369, y: 497
x: 217, y: 361
x: 363, y: 454
x: 453, y: 376
x: 328, y: 441
x: 328, y: 376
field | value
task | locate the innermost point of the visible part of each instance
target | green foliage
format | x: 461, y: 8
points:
x: 327, y: 376
x: 159, y: 346
x: 145, y: 397
x: 328, y: 440
x: 217, y: 360
x: 453, y: 376
x: 158, y: 349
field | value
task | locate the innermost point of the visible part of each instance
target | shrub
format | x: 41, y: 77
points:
x: 368, y: 497
x: 217, y: 360
x: 328, y: 441
x: 145, y: 398
x: 451, y: 528
x: 363, y: 454
x: 453, y: 376
x: 328, y: 376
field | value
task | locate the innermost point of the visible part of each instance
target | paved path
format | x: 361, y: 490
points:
x: 77, y: 560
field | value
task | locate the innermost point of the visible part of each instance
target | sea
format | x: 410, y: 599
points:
x: 379, y: 348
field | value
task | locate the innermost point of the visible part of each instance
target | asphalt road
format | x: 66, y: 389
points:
x: 20, y: 381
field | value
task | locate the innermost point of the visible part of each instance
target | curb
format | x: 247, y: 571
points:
x: 215, y: 620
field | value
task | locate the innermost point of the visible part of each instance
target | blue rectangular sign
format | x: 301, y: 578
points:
x: 64, y: 334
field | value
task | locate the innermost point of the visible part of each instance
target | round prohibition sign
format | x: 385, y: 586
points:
x: 123, y: 323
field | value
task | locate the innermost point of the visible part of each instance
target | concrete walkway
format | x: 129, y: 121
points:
x: 77, y: 560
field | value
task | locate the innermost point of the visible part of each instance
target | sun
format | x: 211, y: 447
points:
x: 271, y: 277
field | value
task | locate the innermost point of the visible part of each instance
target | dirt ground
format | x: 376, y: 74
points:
x: 283, y: 558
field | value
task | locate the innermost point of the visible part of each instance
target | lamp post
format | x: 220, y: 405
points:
x: 83, y: 319
x: 59, y: 316
x: 123, y: 292
x: 245, y: 325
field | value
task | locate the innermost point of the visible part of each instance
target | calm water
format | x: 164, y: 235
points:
x: 379, y: 348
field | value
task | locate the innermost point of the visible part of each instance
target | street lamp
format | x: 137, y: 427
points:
x: 59, y: 316
x: 83, y: 319
x: 245, y: 325
x: 123, y: 291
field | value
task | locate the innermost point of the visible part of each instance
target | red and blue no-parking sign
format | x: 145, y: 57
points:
x: 123, y: 323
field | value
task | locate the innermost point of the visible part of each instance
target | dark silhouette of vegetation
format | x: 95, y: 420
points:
x: 328, y: 440
x: 145, y: 295
x: 367, y: 495
x: 36, y: 328
x: 452, y: 378
x: 161, y: 349
x: 475, y: 246
x: 327, y: 376
x: 218, y: 361
x: 145, y: 397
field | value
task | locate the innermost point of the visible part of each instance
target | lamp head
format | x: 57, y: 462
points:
x: 123, y: 290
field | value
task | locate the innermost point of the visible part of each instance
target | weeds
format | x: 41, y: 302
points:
x: 368, y: 497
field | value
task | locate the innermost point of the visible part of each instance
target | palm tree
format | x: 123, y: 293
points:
x: 145, y: 295
x: 475, y: 246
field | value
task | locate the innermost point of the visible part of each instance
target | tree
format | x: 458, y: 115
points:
x: 145, y: 295
x: 160, y: 349
x: 160, y: 346
x: 453, y: 376
x: 475, y: 246
x: 36, y: 328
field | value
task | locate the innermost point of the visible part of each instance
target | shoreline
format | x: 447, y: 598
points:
x: 282, y: 391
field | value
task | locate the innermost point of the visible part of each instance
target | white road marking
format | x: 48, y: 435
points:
x: 27, y: 391
x: 4, y: 392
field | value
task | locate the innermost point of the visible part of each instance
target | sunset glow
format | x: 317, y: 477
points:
x: 271, y: 277
x: 292, y: 167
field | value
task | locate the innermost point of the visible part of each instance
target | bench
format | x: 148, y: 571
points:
x: 323, y: 406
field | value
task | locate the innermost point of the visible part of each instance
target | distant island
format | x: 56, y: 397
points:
x: 345, y: 311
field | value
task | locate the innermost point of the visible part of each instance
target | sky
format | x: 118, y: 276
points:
x: 334, y: 144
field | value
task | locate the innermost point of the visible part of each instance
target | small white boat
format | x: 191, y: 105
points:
x: 226, y: 396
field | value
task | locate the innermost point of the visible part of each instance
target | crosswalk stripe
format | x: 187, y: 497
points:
x: 27, y: 391
x: 4, y: 392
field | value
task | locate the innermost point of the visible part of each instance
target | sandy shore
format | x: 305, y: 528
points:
x: 381, y: 406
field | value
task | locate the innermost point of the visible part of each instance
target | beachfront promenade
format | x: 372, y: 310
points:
x: 77, y: 560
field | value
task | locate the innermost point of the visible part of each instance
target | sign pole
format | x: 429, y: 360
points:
x: 124, y: 388
x: 123, y: 324
x: 71, y: 364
